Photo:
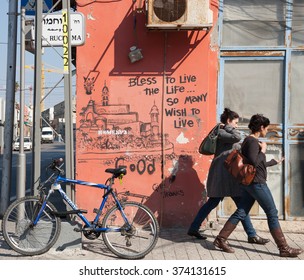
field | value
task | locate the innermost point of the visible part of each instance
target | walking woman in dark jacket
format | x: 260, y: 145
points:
x: 220, y: 183
x: 254, y: 151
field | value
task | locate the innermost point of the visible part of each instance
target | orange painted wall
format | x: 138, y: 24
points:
x: 150, y: 115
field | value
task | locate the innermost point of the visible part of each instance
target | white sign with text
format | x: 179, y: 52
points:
x: 52, y: 30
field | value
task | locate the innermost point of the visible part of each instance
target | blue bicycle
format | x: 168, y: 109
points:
x: 31, y: 225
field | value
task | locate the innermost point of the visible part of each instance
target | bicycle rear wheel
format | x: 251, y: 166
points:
x: 20, y: 233
x: 130, y: 242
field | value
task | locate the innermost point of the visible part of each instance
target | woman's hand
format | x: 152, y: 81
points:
x: 280, y: 160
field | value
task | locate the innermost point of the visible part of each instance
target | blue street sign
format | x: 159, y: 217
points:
x: 30, y: 6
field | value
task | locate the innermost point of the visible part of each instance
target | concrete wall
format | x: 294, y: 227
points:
x: 149, y: 116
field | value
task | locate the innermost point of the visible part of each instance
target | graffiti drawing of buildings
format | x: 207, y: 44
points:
x: 106, y: 128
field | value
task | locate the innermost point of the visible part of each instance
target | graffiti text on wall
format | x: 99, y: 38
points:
x: 179, y: 96
x: 166, y: 193
x: 180, y: 93
x: 144, y: 82
x: 141, y: 166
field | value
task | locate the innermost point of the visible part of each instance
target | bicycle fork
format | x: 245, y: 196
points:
x: 41, y: 206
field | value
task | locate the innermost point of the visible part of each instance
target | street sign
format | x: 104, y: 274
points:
x: 30, y: 6
x: 52, y: 31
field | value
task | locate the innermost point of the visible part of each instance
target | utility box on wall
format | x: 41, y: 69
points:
x: 179, y: 15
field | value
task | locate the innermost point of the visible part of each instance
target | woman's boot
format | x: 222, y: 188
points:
x: 221, y: 240
x: 285, y: 250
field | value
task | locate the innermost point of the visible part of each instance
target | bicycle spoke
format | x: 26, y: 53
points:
x: 19, y: 231
x: 135, y: 239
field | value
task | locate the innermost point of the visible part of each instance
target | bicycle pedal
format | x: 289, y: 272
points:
x: 78, y: 229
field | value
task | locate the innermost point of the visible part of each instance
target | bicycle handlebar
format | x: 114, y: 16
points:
x: 56, y: 164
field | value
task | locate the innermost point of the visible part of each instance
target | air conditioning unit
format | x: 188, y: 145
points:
x: 179, y: 14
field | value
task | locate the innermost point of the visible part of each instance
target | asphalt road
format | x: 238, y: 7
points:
x: 48, y: 152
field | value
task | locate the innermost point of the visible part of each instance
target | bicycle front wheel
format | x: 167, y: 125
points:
x: 133, y: 240
x: 20, y: 233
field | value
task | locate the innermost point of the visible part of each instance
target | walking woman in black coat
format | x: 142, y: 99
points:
x: 220, y: 183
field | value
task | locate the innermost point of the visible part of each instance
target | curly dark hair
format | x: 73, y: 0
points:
x: 228, y: 114
x: 257, y: 121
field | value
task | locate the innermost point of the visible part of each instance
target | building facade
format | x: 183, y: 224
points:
x: 54, y: 117
x: 153, y: 78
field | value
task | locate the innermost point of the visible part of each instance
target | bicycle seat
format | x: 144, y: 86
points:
x: 117, y: 171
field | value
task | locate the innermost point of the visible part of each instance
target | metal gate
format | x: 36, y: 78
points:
x: 262, y: 71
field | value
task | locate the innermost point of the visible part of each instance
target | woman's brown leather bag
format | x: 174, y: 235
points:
x: 244, y: 173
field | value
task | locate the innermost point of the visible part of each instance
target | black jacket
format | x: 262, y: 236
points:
x: 252, y: 151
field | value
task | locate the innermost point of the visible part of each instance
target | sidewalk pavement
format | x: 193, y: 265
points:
x: 175, y: 244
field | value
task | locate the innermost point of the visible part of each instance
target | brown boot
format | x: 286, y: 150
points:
x: 285, y: 250
x: 221, y: 240
x: 258, y: 240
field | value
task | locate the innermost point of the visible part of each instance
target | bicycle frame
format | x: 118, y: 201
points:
x: 32, y: 224
x: 90, y: 225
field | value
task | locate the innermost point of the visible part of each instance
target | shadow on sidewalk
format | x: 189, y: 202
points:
x: 172, y: 237
x: 6, y: 251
